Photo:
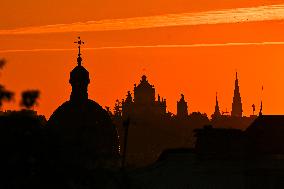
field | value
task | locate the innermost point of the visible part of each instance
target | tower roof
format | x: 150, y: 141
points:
x: 79, y: 74
x: 237, y: 109
x: 144, y: 83
x: 217, y: 108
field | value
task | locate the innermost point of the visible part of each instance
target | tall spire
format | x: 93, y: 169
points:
x: 79, y: 59
x: 237, y: 109
x: 260, y: 110
x: 217, y: 109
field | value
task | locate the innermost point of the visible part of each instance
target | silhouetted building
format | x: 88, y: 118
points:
x: 226, y: 121
x: 144, y: 101
x: 263, y: 138
x: 152, y: 129
x: 237, y: 109
x: 266, y: 135
x: 182, y: 111
x: 219, y: 142
x: 85, y: 132
x: 183, y: 169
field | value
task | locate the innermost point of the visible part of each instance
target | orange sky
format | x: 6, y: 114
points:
x: 198, y: 72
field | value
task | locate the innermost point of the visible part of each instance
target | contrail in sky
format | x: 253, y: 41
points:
x: 225, y: 16
x: 149, y: 46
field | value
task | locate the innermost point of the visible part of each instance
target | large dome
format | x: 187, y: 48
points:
x: 84, y: 132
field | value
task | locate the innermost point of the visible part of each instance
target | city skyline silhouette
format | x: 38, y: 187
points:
x: 142, y: 94
x: 171, y: 105
x: 96, y: 148
x: 176, y: 59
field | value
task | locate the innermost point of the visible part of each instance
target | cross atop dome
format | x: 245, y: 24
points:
x: 79, y: 42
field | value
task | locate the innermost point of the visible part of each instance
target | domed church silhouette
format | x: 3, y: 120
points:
x: 84, y: 130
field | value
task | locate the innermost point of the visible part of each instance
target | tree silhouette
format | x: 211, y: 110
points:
x: 5, y: 95
x: 29, y: 98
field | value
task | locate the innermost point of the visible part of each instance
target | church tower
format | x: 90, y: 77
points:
x: 83, y: 130
x: 237, y: 109
x: 79, y: 79
x: 144, y: 93
x: 216, y: 113
x: 182, y: 111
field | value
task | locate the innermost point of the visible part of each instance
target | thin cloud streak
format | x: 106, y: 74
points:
x: 226, y: 16
x: 150, y: 46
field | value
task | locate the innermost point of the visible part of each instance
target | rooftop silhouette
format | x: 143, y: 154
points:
x: 84, y: 130
x: 139, y: 145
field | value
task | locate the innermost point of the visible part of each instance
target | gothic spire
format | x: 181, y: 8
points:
x: 260, y: 110
x: 217, y: 108
x: 237, y: 101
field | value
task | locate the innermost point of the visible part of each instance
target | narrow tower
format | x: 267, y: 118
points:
x: 182, y: 111
x: 237, y: 109
x: 216, y: 113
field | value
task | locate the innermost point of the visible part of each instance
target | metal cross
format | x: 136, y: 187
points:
x: 79, y: 42
x: 79, y: 59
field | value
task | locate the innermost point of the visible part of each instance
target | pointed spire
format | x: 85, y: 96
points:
x: 216, y: 113
x: 260, y: 110
x: 237, y: 109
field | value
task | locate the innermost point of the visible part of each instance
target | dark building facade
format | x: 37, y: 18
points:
x: 144, y: 101
x: 152, y: 129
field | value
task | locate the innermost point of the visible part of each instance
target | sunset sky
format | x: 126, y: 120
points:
x: 183, y: 46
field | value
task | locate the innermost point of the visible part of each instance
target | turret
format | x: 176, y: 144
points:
x: 182, y: 109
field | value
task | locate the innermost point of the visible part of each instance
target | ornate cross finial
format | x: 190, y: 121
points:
x: 79, y: 42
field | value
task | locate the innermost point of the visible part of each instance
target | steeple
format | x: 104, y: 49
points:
x: 216, y: 113
x: 260, y: 110
x: 237, y: 109
x: 79, y: 78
